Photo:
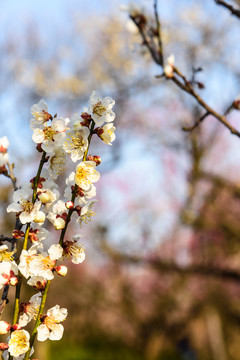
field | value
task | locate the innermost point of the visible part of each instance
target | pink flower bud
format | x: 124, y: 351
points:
x: 61, y: 270
x: 69, y: 205
x: 17, y: 234
x: 59, y: 223
x: 95, y: 158
x: 3, y: 346
x: 16, y: 327
x: 13, y: 280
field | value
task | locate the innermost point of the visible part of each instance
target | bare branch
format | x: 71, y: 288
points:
x: 159, y: 37
x: 198, y: 122
x: 233, y: 11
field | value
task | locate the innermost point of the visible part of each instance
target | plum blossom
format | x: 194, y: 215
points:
x: 101, y: 109
x: 5, y: 254
x: 40, y: 115
x: 58, y: 215
x: 51, y: 327
x: 22, y: 204
x: 8, y: 273
x: 86, y: 212
x: 52, y: 135
x: 19, y: 343
x: 106, y: 133
x: 39, y: 264
x: 76, y: 141
x: 37, y: 234
x: 30, y: 309
x: 74, y: 250
x: 86, y: 174
x: 82, y: 197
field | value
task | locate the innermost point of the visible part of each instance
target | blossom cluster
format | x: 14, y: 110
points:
x: 40, y: 201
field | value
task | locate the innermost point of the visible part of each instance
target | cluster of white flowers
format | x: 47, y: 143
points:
x: 39, y: 201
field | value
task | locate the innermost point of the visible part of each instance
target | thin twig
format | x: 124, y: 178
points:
x: 197, y: 123
x: 234, y: 11
x: 159, y: 36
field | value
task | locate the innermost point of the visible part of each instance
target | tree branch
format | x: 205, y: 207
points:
x: 233, y: 11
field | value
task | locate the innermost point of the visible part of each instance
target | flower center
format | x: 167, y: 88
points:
x: 27, y: 205
x: 99, y: 109
x: 41, y: 116
x: 6, y: 255
x: 76, y: 140
x: 49, y: 133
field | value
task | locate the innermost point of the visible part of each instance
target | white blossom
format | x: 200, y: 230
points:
x: 82, y: 196
x: 74, y: 250
x: 22, y: 204
x: 39, y: 264
x: 40, y: 115
x: 101, y: 109
x: 51, y: 327
x: 19, y: 343
x: 58, y: 215
x: 86, y: 174
x: 51, y: 136
x: 8, y: 273
x: 106, y: 133
x: 76, y: 141
x: 30, y: 309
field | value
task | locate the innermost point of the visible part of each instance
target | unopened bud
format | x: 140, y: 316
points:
x: 40, y: 217
x: 39, y: 147
x: 97, y: 159
x: 69, y: 205
x: 4, y: 327
x: 59, y: 224
x: 3, y: 346
x: 61, y: 270
x: 16, y: 327
x: 44, y: 197
x: 3, y: 169
x: 13, y: 280
x: 236, y: 103
x: 17, y: 234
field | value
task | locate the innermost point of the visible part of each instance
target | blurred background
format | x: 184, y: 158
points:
x: 161, y: 279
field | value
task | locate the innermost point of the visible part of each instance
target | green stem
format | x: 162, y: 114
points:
x: 38, y: 320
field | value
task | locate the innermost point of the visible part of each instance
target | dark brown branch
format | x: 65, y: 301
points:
x: 182, y: 83
x: 233, y: 11
x: 187, y: 87
x: 159, y: 37
x: 146, y: 42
